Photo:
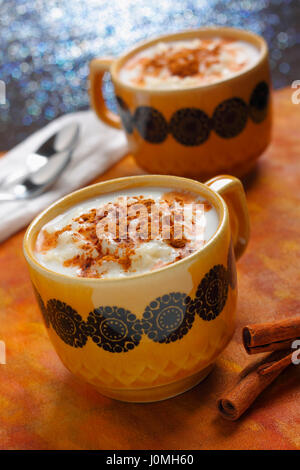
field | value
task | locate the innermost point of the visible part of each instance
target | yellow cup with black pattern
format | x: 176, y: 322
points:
x: 151, y: 336
x: 196, y: 132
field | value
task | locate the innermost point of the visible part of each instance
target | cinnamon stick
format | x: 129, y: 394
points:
x: 251, y: 382
x: 272, y: 367
x: 271, y: 336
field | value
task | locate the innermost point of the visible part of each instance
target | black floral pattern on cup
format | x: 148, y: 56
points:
x: 190, y: 126
x: 168, y: 318
x: 259, y: 101
x: 230, y: 118
x: 43, y: 309
x: 114, y: 329
x: 125, y: 115
x: 151, y: 124
x: 67, y: 323
x: 211, y: 294
x: 231, y: 267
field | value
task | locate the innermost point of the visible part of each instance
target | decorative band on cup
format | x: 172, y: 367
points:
x: 230, y: 118
x: 192, y: 126
x: 166, y: 319
x: 212, y: 292
x: 259, y: 100
x: 67, y: 323
x: 125, y: 115
x: 43, y: 309
x: 150, y: 124
x: 114, y: 329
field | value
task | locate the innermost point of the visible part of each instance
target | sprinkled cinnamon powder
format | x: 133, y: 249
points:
x: 146, y: 220
x: 203, y: 60
x: 48, y: 241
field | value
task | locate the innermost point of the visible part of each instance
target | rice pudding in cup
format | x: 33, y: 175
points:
x: 192, y: 104
x: 141, y: 318
x: 188, y: 63
x: 128, y: 232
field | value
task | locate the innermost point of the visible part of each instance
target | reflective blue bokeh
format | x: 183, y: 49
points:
x: 46, y: 46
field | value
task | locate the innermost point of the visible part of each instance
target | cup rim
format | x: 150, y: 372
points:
x: 243, y: 34
x: 127, y: 182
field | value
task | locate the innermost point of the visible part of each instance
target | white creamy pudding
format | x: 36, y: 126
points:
x: 189, y: 63
x: 124, y: 233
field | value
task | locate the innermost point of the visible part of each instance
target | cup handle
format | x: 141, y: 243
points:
x: 232, y: 191
x: 97, y: 69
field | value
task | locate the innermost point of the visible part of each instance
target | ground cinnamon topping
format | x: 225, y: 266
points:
x: 146, y: 219
x: 49, y: 240
x: 185, y: 62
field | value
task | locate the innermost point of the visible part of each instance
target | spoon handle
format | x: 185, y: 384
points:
x: 7, y: 197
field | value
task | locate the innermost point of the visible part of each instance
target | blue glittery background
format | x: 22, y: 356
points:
x: 46, y: 46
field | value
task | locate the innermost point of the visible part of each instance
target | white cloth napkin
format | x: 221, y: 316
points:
x: 99, y: 147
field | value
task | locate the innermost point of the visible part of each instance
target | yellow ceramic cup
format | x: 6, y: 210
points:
x: 149, y: 336
x: 197, y: 132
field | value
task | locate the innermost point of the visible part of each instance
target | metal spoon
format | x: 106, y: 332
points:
x: 45, y: 166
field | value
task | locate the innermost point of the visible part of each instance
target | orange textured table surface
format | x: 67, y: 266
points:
x: 42, y: 406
